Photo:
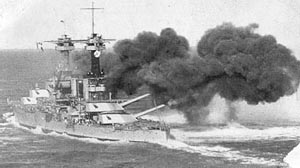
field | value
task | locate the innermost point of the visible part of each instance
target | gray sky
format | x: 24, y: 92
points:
x: 23, y: 22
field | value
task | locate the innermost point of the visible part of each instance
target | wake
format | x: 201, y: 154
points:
x: 206, y: 142
x: 220, y: 152
x: 237, y: 132
x: 195, y: 141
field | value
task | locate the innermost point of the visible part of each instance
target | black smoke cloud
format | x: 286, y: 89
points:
x: 234, y: 62
x: 145, y: 49
x: 255, y: 68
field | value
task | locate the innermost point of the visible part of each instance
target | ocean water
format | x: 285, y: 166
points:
x: 230, y: 146
x: 236, y: 145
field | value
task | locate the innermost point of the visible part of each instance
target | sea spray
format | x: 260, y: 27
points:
x: 4, y: 124
x: 206, y: 141
x: 218, y: 152
x: 221, y: 111
x: 235, y: 132
x: 184, y: 144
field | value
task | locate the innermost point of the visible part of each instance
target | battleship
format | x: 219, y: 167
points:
x: 81, y: 105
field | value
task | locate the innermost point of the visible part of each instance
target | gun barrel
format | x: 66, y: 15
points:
x: 124, y: 104
x: 149, y: 111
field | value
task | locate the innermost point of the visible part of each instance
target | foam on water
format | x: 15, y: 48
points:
x: 11, y: 120
x: 87, y: 140
x: 37, y: 130
x: 8, y: 138
x: 7, y: 115
x: 219, y: 151
x: 95, y: 140
x: 3, y: 129
x: 4, y: 124
x: 233, y: 132
x: 237, y: 132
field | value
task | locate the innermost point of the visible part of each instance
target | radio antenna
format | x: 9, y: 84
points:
x: 92, y: 9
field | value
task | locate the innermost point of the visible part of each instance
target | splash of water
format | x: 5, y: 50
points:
x: 236, y: 132
x: 233, y: 132
x: 195, y: 141
x: 218, y: 151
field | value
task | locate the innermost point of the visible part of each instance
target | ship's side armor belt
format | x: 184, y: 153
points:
x: 69, y: 123
x: 48, y: 117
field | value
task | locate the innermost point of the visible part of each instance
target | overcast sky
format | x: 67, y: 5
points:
x: 23, y: 22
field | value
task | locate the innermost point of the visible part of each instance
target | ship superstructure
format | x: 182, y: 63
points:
x: 81, y: 105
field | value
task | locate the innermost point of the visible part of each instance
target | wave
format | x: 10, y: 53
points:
x: 87, y: 140
x: 4, y: 124
x: 236, y: 132
x: 204, y: 141
x: 3, y: 129
x: 10, y: 119
x: 92, y: 140
x: 219, y: 152
x: 9, y: 138
x: 7, y: 115
x: 232, y: 132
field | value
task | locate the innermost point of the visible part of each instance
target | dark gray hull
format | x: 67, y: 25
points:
x: 38, y: 119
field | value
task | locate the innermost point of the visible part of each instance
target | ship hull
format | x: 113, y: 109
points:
x: 38, y: 119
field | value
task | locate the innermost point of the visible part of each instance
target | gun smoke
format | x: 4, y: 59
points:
x: 233, y: 62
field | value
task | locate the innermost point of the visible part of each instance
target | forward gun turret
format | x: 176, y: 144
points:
x: 124, y: 104
x: 148, y: 111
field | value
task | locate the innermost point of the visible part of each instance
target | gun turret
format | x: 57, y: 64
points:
x: 149, y: 111
x: 124, y: 104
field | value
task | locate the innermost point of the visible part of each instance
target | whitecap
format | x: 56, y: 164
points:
x: 7, y: 115
x: 236, y: 132
x: 220, y: 152
x: 4, y: 124
x: 186, y: 140
x: 9, y: 138
x: 3, y: 129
